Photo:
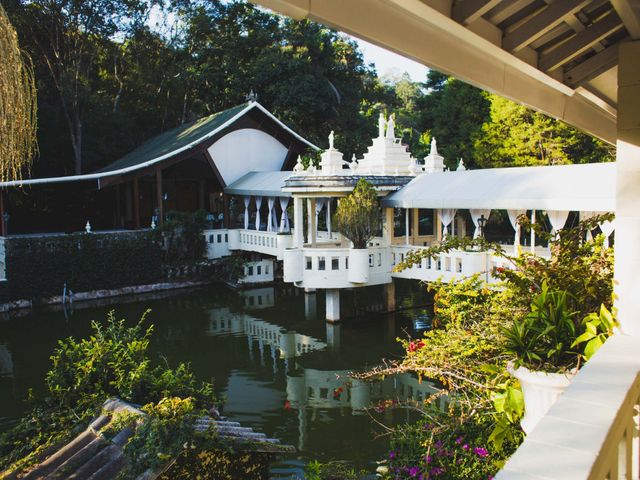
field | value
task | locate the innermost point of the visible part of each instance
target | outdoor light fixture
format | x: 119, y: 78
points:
x: 481, y: 223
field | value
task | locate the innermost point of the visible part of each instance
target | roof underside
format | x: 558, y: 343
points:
x: 556, y: 56
x: 262, y: 184
x: 589, y: 187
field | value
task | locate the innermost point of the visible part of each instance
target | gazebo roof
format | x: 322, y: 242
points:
x: 588, y: 187
x: 263, y: 184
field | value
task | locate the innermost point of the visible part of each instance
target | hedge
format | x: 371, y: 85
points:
x: 39, y: 266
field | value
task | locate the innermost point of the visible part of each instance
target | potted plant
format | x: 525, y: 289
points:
x: 358, y: 218
x: 544, y: 346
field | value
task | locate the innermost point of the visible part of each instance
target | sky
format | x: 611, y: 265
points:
x: 388, y: 62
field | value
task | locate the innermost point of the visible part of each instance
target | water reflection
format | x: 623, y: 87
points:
x: 281, y: 368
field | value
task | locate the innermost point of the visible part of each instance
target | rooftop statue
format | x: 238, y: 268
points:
x: 381, y: 124
x: 391, y: 127
x: 461, y: 166
x: 331, y: 138
x: 434, y: 147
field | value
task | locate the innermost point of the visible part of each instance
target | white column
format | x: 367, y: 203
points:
x: 298, y: 222
x: 332, y: 300
x: 533, y: 232
x: 247, y: 201
x: 258, y: 205
x: 329, y: 216
x: 627, y: 257
x: 406, y: 225
x: 312, y: 221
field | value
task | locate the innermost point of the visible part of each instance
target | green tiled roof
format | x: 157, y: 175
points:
x: 174, y: 139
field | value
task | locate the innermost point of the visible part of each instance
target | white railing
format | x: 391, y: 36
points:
x: 329, y: 267
x: 269, y: 243
x: 591, y: 432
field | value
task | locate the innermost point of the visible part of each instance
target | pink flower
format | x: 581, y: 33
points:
x: 481, y: 452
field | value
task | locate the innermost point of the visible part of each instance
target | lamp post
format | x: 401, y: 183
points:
x: 481, y: 223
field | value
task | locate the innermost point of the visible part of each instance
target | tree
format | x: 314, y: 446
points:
x: 358, y: 216
x: 67, y: 35
x: 517, y: 136
x: 17, y: 105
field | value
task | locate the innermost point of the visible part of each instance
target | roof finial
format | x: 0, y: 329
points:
x: 381, y: 123
x: 299, y: 167
x: 252, y: 97
x: 461, y: 166
x: 434, y: 147
x: 391, y: 124
x: 331, y: 138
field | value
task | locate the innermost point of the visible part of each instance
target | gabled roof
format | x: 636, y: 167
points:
x: 589, y: 187
x: 166, y: 146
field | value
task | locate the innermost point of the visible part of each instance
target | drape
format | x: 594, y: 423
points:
x: 284, y: 218
x: 607, y: 228
x: 513, y: 218
x: 446, y: 217
x: 476, y: 213
x: 258, y: 205
x: 320, y: 202
x: 270, y: 202
x: 247, y: 201
x: 557, y: 218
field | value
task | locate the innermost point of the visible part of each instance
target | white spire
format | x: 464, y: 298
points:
x: 331, y: 138
x: 461, y: 166
x: 391, y: 127
x: 434, y: 147
x: 381, y: 123
x: 299, y: 167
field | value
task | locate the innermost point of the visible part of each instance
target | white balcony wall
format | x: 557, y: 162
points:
x: 269, y: 243
x: 217, y: 243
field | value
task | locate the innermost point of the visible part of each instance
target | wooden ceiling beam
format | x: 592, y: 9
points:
x: 467, y: 11
x: 629, y: 11
x: 581, y: 42
x: 541, y: 23
x: 592, y: 67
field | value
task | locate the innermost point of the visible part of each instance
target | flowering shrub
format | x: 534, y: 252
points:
x: 428, y: 451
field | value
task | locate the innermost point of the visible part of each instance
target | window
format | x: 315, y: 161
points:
x: 259, y: 299
x: 259, y: 270
x: 335, y: 263
x: 219, y: 238
x: 371, y: 260
x: 211, y: 238
x: 400, y: 222
x: 226, y: 238
x: 379, y: 259
x: 266, y: 269
x: 250, y: 271
x: 307, y: 263
x: 324, y: 393
x: 346, y: 263
x: 425, y: 221
x: 321, y: 263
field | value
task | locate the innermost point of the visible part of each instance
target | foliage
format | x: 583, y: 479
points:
x: 518, y: 136
x: 232, y: 267
x: 219, y: 464
x: 113, y: 362
x: 450, y: 450
x: 183, y: 238
x: 544, y: 338
x: 40, y: 266
x: 542, y: 312
x: 17, y: 105
x: 316, y: 470
x: 358, y: 215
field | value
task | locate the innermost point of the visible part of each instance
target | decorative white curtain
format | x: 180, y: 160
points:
x: 446, y: 216
x: 513, y: 218
x: 284, y: 218
x: 320, y: 202
x: 258, y: 205
x: 607, y: 228
x: 270, y: 202
x: 329, y: 216
x: 558, y: 218
x: 476, y: 213
x: 247, y: 201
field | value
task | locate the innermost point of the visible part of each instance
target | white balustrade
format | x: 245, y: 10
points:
x: 269, y: 243
x: 591, y: 432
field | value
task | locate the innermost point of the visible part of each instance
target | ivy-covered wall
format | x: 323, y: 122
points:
x: 38, y: 267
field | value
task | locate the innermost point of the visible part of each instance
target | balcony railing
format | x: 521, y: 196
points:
x: 591, y: 433
x: 269, y: 243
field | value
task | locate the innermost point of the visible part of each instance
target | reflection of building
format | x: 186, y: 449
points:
x: 6, y: 361
x: 288, y: 344
x: 335, y: 388
x: 257, y: 298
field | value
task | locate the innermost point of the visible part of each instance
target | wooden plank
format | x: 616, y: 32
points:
x: 581, y: 42
x: 540, y: 24
x: 592, y: 67
x: 467, y: 11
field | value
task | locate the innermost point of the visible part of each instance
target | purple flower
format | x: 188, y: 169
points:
x: 458, y: 440
x: 392, y: 455
x: 427, y: 459
x: 481, y: 452
x: 414, y: 471
x: 436, y: 471
x: 438, y: 444
x: 465, y: 447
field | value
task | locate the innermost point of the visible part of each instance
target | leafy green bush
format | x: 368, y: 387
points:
x: 112, y: 362
x: 183, y: 238
x: 358, y: 215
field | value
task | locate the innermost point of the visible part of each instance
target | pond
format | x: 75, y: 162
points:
x: 281, y: 367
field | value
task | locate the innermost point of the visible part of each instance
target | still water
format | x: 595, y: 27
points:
x: 281, y: 368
